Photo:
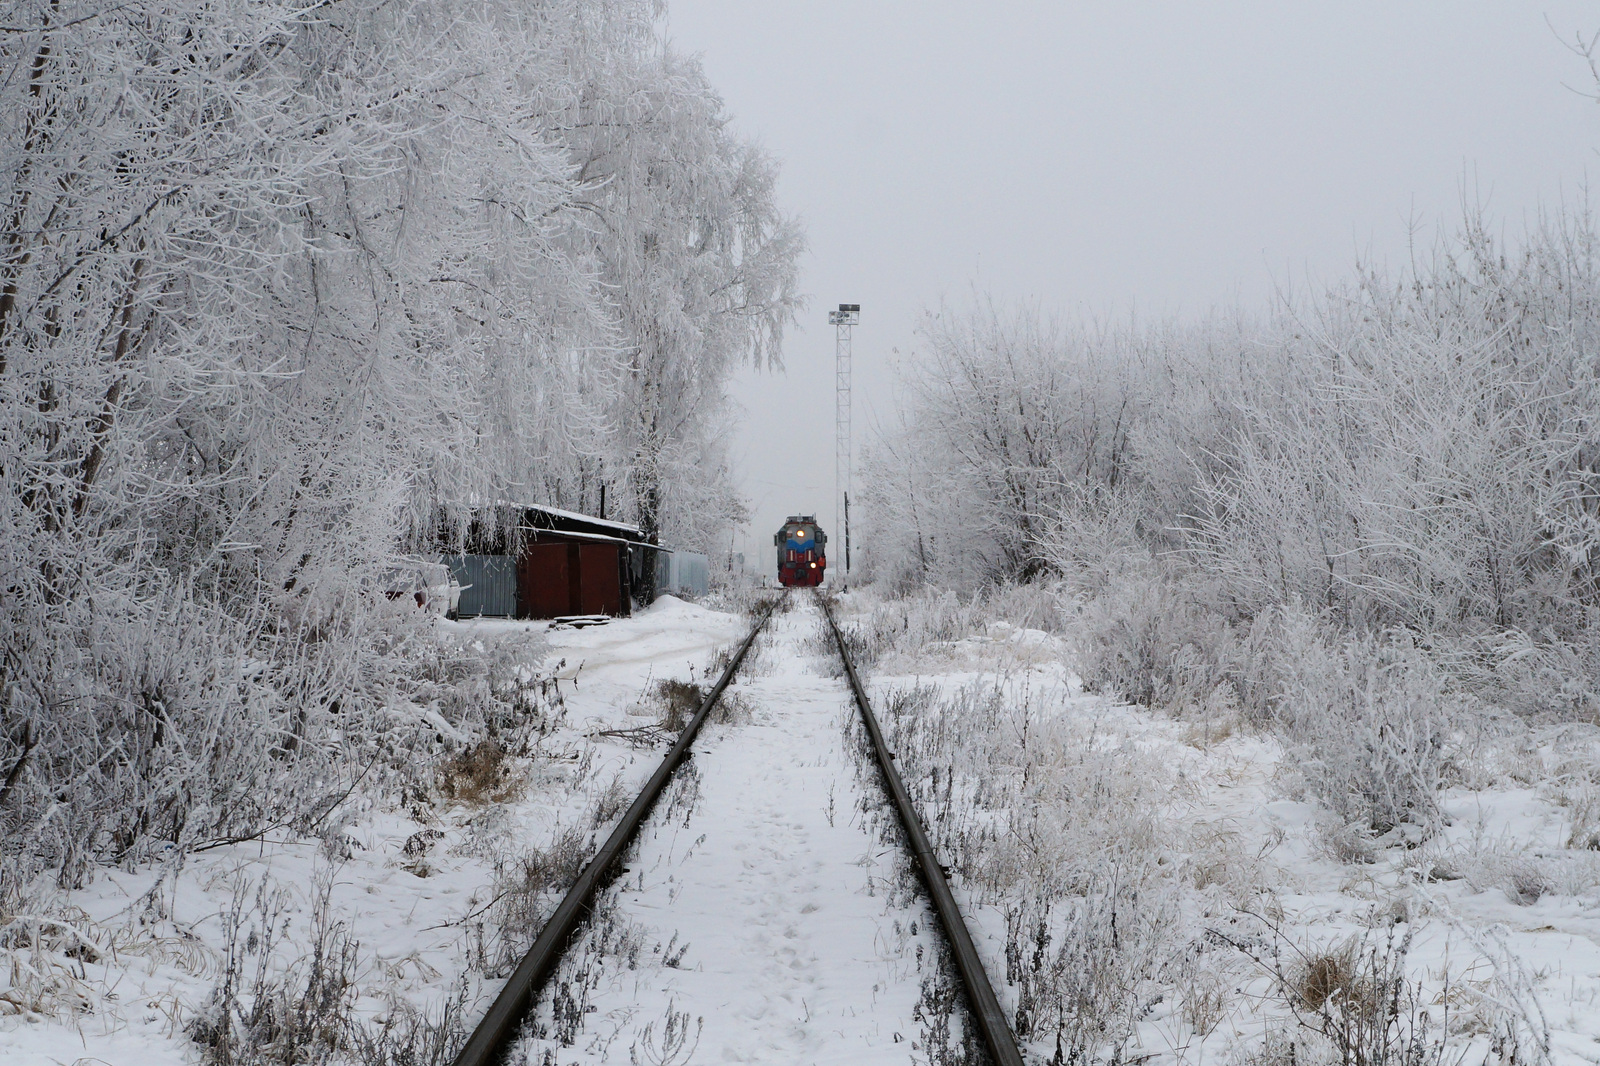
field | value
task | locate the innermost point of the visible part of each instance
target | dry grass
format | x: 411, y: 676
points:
x: 1209, y: 731
x: 1351, y: 1003
x: 408, y: 1036
x: 1055, y: 820
x: 1207, y: 998
x: 414, y: 854
x: 525, y: 893
x: 270, y: 1010
x: 1348, y: 845
x: 44, y: 954
x: 1322, y: 976
x: 733, y: 708
x: 679, y: 700
x: 565, y: 1010
x: 1584, y: 832
x: 483, y: 773
x: 673, y: 703
x: 1522, y: 871
x: 612, y: 801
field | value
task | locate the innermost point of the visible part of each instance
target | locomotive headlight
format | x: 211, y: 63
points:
x: 813, y: 566
x: 801, y: 532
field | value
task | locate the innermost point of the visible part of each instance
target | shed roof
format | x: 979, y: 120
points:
x: 557, y: 519
x: 540, y: 534
x: 494, y: 528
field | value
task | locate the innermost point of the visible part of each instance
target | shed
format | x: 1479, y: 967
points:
x: 533, y: 561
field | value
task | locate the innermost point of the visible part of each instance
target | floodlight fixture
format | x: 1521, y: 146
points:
x: 848, y: 315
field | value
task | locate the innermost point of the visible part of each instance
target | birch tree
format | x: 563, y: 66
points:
x: 700, y: 262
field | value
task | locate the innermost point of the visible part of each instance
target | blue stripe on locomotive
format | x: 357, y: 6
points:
x: 801, y: 538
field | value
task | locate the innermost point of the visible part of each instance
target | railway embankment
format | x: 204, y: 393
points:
x: 1138, y: 884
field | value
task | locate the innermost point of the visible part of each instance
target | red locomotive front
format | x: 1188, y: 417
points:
x: 801, y: 560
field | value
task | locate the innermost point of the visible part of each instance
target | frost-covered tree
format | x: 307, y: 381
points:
x: 278, y: 283
x: 1414, y: 451
x: 1010, y: 418
x: 1430, y: 458
x: 701, y: 266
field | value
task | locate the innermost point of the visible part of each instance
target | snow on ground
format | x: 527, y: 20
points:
x: 760, y: 914
x: 1503, y: 910
x: 135, y: 956
x: 763, y: 918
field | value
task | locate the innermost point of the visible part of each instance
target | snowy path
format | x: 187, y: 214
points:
x: 770, y: 875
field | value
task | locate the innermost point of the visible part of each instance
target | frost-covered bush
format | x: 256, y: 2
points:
x: 1059, y: 826
x: 1148, y: 637
x: 1544, y: 677
x: 1408, y: 452
x: 192, y: 730
x: 927, y: 619
x: 1010, y: 415
x: 181, y: 727
x: 1370, y: 722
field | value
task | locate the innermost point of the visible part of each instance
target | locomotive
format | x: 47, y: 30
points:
x: 801, y: 560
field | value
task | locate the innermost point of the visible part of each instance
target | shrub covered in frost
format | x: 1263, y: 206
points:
x: 1369, y: 721
x: 1058, y: 826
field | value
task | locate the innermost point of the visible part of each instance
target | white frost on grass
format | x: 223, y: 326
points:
x: 121, y: 970
x: 1160, y: 888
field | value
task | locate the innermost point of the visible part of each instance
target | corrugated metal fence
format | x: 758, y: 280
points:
x: 488, y: 584
x: 683, y: 573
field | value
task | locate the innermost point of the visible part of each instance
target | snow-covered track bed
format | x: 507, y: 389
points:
x: 488, y: 1042
x: 985, y: 1010
x: 791, y: 866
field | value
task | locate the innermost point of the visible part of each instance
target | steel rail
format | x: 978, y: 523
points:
x: 985, y: 1008
x: 488, y: 1041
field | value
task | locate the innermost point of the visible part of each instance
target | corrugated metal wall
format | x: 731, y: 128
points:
x: 683, y: 573
x: 489, y: 584
x: 693, y: 575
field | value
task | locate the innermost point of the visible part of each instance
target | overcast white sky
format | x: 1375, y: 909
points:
x: 1113, y: 157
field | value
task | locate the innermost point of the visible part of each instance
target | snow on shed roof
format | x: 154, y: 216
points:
x: 556, y: 512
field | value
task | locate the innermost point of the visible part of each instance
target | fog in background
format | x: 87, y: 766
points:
x: 1132, y: 159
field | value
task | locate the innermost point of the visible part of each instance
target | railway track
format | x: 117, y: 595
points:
x: 491, y: 1039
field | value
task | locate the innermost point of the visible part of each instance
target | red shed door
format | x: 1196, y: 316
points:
x: 600, y: 580
x: 544, y: 581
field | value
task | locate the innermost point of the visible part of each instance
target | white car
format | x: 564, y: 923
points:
x: 428, y: 582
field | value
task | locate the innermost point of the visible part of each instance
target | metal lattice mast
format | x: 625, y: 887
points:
x: 848, y: 315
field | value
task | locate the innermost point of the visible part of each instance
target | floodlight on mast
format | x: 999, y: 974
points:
x: 848, y: 315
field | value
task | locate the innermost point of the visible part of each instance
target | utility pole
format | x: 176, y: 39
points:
x: 848, y: 315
